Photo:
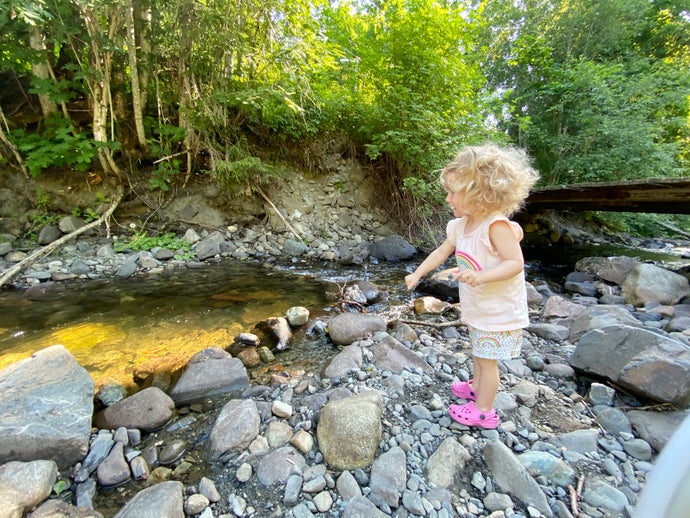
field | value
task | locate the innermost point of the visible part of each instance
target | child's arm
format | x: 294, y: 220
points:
x: 433, y: 261
x: 508, y: 248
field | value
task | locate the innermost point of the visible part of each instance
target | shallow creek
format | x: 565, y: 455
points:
x: 114, y: 326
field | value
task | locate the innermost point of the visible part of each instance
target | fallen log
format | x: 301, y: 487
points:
x: 42, y: 252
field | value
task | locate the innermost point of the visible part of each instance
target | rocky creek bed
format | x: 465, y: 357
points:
x: 584, y: 412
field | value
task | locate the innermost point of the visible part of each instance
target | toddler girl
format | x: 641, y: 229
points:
x: 485, y: 185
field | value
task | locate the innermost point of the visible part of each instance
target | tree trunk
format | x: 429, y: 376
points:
x: 41, y: 70
x: 142, y: 26
x: 99, y: 85
x: 134, y: 77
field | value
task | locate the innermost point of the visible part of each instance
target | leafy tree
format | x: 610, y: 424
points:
x: 585, y: 93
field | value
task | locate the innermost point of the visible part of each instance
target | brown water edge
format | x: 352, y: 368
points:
x: 113, y: 327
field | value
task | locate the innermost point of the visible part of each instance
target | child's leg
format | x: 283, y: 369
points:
x: 486, y: 381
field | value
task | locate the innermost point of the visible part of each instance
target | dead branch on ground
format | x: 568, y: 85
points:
x: 258, y: 189
x: 42, y: 252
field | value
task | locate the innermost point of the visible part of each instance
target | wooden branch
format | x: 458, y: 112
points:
x: 170, y: 156
x: 11, y: 146
x: 675, y: 229
x: 576, y: 495
x: 279, y: 214
x: 573, y: 501
x: 42, y: 252
x: 453, y: 323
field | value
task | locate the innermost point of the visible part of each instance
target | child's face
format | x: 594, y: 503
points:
x: 457, y: 203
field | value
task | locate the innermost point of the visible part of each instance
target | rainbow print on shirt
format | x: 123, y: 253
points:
x: 466, y: 262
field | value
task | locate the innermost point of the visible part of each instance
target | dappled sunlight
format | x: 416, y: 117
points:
x: 116, y: 329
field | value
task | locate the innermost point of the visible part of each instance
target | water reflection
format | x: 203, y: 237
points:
x: 113, y: 326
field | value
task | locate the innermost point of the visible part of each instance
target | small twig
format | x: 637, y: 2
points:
x: 453, y: 323
x: 169, y: 157
x: 573, y: 501
x: 581, y: 485
x: 576, y: 495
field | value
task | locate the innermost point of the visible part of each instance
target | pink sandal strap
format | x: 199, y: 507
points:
x: 463, y: 390
x: 469, y: 415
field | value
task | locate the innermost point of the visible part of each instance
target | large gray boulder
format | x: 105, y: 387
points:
x: 649, y: 364
x: 347, y: 360
x: 209, y: 376
x: 656, y: 428
x: 391, y: 355
x: 235, y: 428
x: 24, y: 485
x: 349, y: 327
x: 610, y: 269
x: 649, y: 283
x: 511, y: 477
x: 46, y: 408
x: 598, y: 316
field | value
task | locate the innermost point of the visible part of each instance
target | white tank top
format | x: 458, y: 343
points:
x: 495, y: 306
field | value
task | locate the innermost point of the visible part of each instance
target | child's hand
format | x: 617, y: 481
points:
x: 411, y: 281
x: 469, y: 277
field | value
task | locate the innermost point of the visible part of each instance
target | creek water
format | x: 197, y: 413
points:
x: 113, y: 327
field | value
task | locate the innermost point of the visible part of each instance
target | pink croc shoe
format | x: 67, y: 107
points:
x: 469, y: 415
x: 463, y: 390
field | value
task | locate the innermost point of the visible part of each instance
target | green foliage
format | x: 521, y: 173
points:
x: 57, y: 91
x: 594, y: 90
x: 238, y: 166
x: 427, y: 193
x: 42, y: 200
x: 642, y: 225
x: 408, y: 72
x: 163, y: 174
x: 141, y: 241
x: 584, y: 94
x: 166, y: 140
x: 59, y: 145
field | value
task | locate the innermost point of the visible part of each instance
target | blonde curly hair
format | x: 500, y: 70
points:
x: 492, y: 177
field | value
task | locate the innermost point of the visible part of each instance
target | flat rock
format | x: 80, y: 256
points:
x: 341, y: 420
x: 638, y: 360
x: 650, y: 283
x: 163, y: 500
x: 146, y: 410
x: 46, y: 408
x: 511, y: 477
x: 350, y: 327
x: 235, y: 428
x: 209, y: 378
x: 24, y: 485
x: 389, y: 354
